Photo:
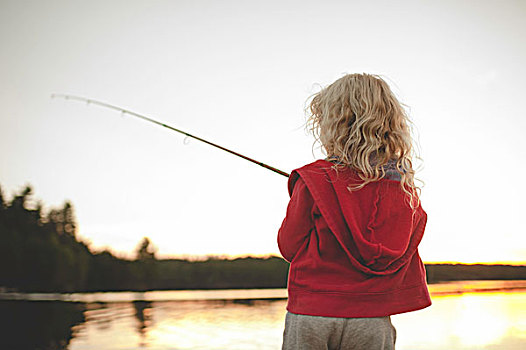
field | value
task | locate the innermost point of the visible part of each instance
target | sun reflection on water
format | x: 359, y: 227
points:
x: 466, y: 321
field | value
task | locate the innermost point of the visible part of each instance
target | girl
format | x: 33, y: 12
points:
x: 353, y: 223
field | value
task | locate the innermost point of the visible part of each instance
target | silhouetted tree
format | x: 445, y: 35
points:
x: 145, y: 265
x: 40, y: 252
x: 1, y: 200
x: 64, y: 220
x: 145, y: 250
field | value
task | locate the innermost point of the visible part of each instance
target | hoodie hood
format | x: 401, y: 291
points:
x: 376, y: 228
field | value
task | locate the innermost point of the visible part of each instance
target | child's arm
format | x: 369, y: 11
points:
x: 298, y: 223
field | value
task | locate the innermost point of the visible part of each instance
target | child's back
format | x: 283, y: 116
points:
x: 354, y: 223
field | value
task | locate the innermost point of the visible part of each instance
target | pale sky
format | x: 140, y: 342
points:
x: 239, y: 73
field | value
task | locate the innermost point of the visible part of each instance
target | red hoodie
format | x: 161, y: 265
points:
x: 351, y: 254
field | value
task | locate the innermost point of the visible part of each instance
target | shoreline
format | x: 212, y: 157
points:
x: 269, y: 294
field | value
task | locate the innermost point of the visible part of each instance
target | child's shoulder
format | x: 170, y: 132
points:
x: 321, y: 171
x: 317, y: 164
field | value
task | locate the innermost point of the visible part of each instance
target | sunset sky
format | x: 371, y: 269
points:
x: 238, y: 73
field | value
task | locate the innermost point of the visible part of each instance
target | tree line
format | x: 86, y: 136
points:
x: 40, y: 252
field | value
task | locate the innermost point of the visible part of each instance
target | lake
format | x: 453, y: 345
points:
x: 464, y: 315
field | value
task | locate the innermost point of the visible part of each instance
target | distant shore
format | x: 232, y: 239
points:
x: 457, y: 272
x: 262, y: 273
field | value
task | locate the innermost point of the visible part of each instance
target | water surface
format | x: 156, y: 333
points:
x: 464, y: 315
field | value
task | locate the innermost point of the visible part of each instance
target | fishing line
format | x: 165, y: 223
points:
x: 137, y: 115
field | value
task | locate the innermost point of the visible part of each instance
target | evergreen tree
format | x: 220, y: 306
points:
x: 1, y: 200
x: 146, y: 267
x: 145, y: 250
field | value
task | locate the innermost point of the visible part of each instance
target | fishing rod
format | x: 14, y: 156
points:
x: 126, y: 111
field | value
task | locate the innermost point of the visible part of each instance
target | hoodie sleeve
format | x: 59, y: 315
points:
x: 298, y: 222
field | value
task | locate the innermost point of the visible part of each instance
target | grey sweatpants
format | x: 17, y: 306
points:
x: 315, y: 333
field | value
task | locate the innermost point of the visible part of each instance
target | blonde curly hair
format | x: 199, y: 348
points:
x: 360, y: 123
